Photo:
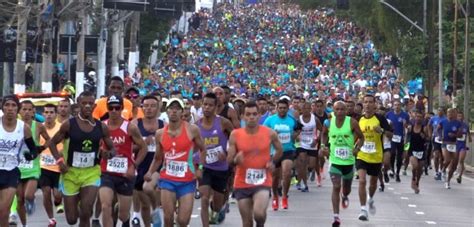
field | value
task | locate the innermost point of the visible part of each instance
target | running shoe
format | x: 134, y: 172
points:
x: 312, y: 176
x: 381, y: 188
x: 156, y: 218
x: 96, y: 223
x: 336, y: 222
x: 30, y: 207
x: 197, y: 194
x: 135, y: 222
x: 284, y: 203
x: 344, y: 201
x: 13, y: 219
x: 294, y: 181
x: 52, y: 223
x: 275, y: 205
x: 438, y: 176
x: 372, y: 209
x: 391, y: 174
x: 397, y: 179
x: 305, y: 189
x: 447, y: 185
x: 386, y: 178
x: 298, y: 186
x: 60, y: 209
x: 221, y: 216
x: 363, y: 215
x: 459, y: 179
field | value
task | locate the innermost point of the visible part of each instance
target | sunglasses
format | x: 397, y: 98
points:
x: 133, y: 96
x: 114, y: 108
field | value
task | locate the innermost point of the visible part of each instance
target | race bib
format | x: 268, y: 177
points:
x: 284, y: 137
x: 463, y: 138
x: 47, y: 160
x: 83, y: 159
x: 7, y: 161
x: 176, y: 168
x: 117, y: 165
x: 25, y: 164
x: 451, y: 147
x: 212, y: 154
x: 307, y: 138
x: 438, y: 140
x: 342, y: 152
x: 368, y: 147
x: 397, y: 139
x: 417, y: 154
x: 255, y: 176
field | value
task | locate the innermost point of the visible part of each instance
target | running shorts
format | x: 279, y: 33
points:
x: 74, y: 179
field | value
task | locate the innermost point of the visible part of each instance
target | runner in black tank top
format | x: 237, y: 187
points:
x: 416, y: 152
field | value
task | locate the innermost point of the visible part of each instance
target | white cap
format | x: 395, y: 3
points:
x: 285, y: 97
x: 172, y: 100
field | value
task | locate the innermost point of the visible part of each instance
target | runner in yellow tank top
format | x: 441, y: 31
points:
x: 369, y: 159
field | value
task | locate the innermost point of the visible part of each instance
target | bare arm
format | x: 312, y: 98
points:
x: 139, y: 142
x: 277, y: 145
x: 233, y: 117
x: 227, y: 126
x: 108, y: 142
x: 58, y: 138
x: 198, y: 143
x: 359, y: 136
x: 158, y: 158
x: 231, y: 149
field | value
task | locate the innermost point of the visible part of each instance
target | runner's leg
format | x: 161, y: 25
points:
x: 47, y: 201
x: 462, y: 157
x: 205, y: 191
x: 260, y: 206
x: 106, y: 196
x: 6, y: 199
x: 168, y: 202
x: 362, y: 173
x: 88, y: 196
x: 185, y: 209
x: 286, y: 176
x: 125, y: 202
x: 145, y: 202
x: 71, y: 208
x: 20, y: 198
x: 245, y: 209
x: 336, y: 192
x: 302, y: 168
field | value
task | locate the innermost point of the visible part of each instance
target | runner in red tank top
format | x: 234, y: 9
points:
x: 177, y: 177
x: 118, y: 173
x: 254, y: 165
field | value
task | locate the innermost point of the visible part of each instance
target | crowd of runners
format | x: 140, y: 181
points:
x: 294, y: 97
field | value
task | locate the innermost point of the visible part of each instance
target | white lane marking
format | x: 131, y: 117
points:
x: 194, y: 216
x: 430, y: 222
x: 420, y: 212
x: 412, y: 205
x: 404, y: 198
x: 391, y: 189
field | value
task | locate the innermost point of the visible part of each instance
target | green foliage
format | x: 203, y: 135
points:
x: 152, y: 28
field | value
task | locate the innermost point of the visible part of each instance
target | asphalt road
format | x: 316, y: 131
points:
x: 397, y: 206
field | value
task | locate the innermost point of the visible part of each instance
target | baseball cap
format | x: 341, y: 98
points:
x: 173, y: 100
x: 114, y: 99
x: 197, y: 95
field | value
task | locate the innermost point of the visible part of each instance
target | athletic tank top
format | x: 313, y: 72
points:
x: 225, y: 112
x: 372, y: 150
x: 10, y: 145
x: 83, y: 147
x: 47, y: 160
x: 119, y: 164
x: 417, y: 143
x: 342, y: 142
x: 146, y: 163
x: 178, y: 156
x: 215, y: 142
x: 253, y: 172
x: 308, y: 133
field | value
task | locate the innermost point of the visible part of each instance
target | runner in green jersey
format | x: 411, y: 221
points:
x: 345, y: 138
